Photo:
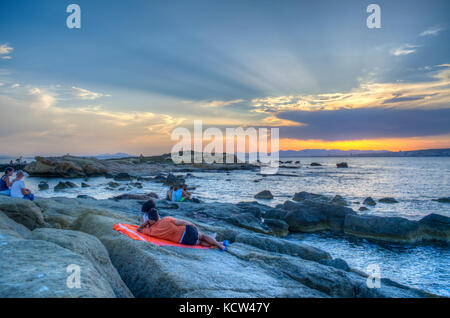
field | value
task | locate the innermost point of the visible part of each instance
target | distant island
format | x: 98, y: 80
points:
x: 445, y: 152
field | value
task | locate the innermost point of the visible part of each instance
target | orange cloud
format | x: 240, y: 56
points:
x: 391, y: 144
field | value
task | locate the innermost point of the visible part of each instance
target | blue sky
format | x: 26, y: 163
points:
x: 148, y: 66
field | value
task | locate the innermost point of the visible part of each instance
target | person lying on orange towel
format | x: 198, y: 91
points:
x: 174, y: 230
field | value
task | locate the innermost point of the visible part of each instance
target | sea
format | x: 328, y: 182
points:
x: 413, y: 181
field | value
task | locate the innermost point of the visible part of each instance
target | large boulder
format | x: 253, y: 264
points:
x: 89, y: 247
x: 266, y: 195
x: 435, y: 227
x: 66, y: 166
x: 35, y: 268
x: 311, y: 216
x: 390, y: 229
x: 369, y: 201
x: 22, y: 211
x: 278, y: 227
x: 388, y: 200
x: 10, y: 226
x: 303, y: 196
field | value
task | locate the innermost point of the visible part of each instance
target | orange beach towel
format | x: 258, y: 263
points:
x: 130, y: 231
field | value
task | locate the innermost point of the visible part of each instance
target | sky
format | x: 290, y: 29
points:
x: 137, y: 70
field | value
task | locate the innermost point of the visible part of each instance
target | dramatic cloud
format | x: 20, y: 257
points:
x: 366, y: 123
x: 432, y: 93
x: 38, y: 124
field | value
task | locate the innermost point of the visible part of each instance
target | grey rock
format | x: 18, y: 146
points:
x: 336, y: 263
x: 22, y: 211
x: 91, y: 248
x: 443, y: 200
x: 266, y: 194
x: 39, y: 269
x: 339, y: 200
x: 369, y: 201
x: 302, y: 196
x: 388, y: 200
x: 278, y: 227
x: 390, y: 229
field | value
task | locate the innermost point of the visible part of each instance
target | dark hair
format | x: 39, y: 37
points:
x: 8, y: 170
x: 149, y: 208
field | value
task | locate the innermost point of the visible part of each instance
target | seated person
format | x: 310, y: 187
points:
x: 186, y: 195
x: 5, y: 182
x: 174, y: 230
x: 169, y: 194
x: 177, y: 194
x: 18, y: 189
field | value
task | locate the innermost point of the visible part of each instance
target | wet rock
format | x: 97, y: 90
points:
x: 443, y: 200
x: 309, y: 216
x: 342, y: 165
x: 65, y: 185
x: 277, y: 226
x: 389, y: 229
x: 123, y: 176
x: 435, y: 227
x: 60, y: 186
x: 315, y: 164
x: 369, y: 201
x: 302, y: 196
x: 84, y: 185
x: 43, y: 185
x: 173, y: 180
x: 388, y: 200
x: 339, y: 200
x: 113, y: 184
x: 266, y: 194
x: 84, y: 196
x: 363, y: 208
x: 336, y: 263
x: 71, y: 184
x: 137, y: 185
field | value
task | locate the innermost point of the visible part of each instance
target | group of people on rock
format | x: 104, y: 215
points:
x: 179, y: 193
x: 174, y: 230
x: 14, y: 188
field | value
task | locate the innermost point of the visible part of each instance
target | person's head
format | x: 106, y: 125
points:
x: 20, y: 174
x: 149, y: 208
x: 9, y: 171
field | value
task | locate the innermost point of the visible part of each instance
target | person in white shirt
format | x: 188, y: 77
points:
x: 18, y: 189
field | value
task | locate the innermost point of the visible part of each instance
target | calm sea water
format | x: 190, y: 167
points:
x: 414, y: 182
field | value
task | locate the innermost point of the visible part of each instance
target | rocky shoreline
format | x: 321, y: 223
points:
x: 76, y: 167
x: 40, y: 239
